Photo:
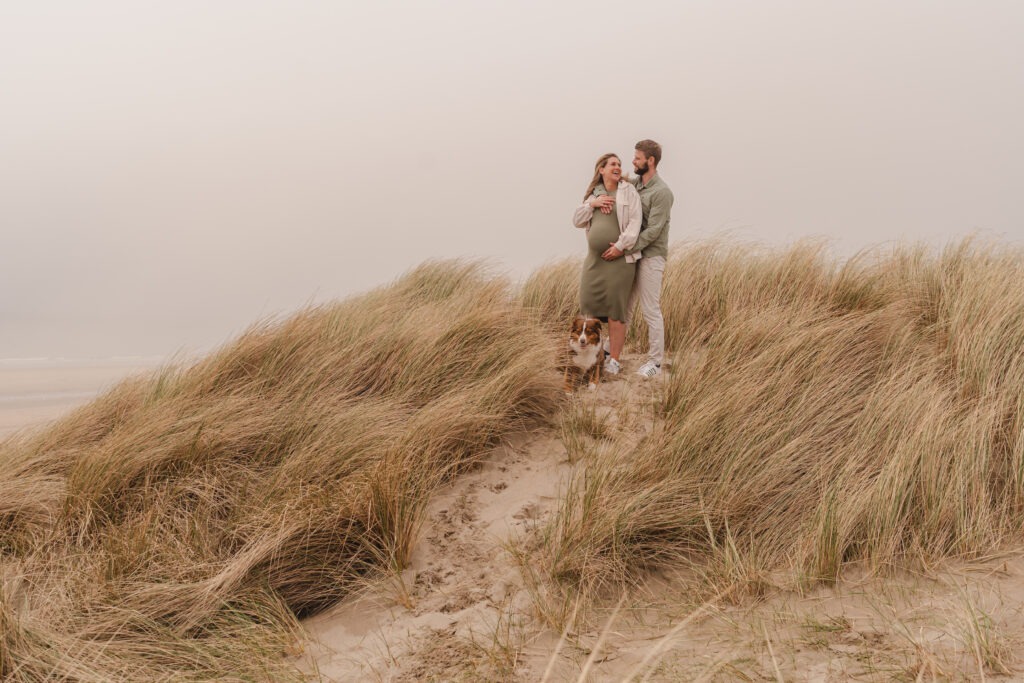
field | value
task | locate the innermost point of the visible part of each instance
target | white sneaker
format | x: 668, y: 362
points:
x: 607, y: 346
x: 612, y: 366
x: 649, y: 369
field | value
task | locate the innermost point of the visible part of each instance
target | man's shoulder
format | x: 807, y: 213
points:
x: 655, y: 184
x: 662, y: 190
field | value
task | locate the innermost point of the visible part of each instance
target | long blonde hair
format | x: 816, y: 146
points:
x: 601, y: 161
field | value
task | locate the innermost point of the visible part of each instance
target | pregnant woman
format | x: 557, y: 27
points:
x: 611, y: 214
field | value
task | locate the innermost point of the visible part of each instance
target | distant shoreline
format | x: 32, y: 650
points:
x: 65, y: 362
x: 35, y: 391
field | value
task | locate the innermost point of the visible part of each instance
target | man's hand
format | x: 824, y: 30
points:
x: 604, y: 203
x: 611, y: 253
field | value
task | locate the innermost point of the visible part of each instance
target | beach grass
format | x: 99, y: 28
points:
x: 816, y: 413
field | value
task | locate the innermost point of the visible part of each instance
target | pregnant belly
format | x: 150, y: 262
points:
x: 600, y: 236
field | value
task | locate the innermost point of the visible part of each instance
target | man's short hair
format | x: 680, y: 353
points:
x: 650, y: 148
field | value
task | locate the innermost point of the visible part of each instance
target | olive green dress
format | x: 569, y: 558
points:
x: 604, y: 285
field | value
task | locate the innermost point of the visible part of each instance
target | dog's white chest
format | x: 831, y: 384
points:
x: 584, y: 358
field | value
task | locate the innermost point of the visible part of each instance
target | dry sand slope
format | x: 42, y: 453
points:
x: 460, y: 611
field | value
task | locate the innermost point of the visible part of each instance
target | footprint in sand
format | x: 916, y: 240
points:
x: 528, y: 511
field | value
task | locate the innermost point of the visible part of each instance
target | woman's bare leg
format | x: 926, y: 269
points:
x: 616, y: 337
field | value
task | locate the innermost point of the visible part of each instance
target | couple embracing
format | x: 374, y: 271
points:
x: 627, y: 237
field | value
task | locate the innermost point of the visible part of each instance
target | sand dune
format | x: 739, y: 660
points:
x: 825, y: 486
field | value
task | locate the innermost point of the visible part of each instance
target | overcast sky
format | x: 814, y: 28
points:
x: 170, y: 172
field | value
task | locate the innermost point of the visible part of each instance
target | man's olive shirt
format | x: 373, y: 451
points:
x: 656, y: 200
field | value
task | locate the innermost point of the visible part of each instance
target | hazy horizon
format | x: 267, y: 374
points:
x: 171, y: 173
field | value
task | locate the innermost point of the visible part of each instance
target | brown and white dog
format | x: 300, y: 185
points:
x: 586, y: 353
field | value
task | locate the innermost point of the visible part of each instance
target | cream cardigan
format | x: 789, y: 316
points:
x: 629, y: 213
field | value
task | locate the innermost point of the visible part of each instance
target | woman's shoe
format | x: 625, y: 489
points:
x: 612, y: 366
x: 649, y: 369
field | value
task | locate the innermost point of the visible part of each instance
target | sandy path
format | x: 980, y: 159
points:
x: 460, y: 611
x: 460, y: 583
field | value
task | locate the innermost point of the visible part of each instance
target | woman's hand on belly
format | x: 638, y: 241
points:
x: 612, y: 252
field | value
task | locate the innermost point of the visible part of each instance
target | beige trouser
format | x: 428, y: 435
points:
x: 647, y: 289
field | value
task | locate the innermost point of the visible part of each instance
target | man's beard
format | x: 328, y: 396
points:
x: 640, y: 170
